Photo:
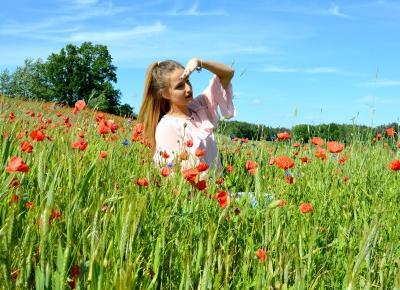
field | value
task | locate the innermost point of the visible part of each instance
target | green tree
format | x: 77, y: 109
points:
x: 82, y: 72
x: 5, y: 82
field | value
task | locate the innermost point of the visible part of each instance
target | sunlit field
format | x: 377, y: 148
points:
x: 83, y: 207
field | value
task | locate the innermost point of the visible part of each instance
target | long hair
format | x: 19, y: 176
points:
x: 154, y: 106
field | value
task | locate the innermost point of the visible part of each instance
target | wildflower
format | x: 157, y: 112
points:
x: 345, y: 178
x: 390, y: 132
x: 229, y: 168
x: 125, y: 142
x: 320, y: 153
x: 334, y: 147
x: 56, y: 214
x: 202, y: 166
x: 103, y: 154
x: 183, y: 155
x: 251, y: 166
x: 80, y: 144
x: 103, y: 128
x: 223, y: 199
x: 261, y: 255
x: 29, y: 204
x: 17, y: 165
x: 37, y: 135
x: 306, y: 208
x: 395, y: 165
x: 283, y: 162
x: 342, y: 159
x: 283, y: 136
x: 79, y: 105
x: 11, y: 117
x: 165, y: 171
x: 26, y: 147
x: 190, y: 174
x: 189, y: 143
x: 305, y: 159
x: 200, y: 152
x: 165, y: 155
x: 201, y: 185
x: 317, y: 141
x: 296, y: 145
x: 14, y: 199
x: 289, y: 179
x: 142, y: 182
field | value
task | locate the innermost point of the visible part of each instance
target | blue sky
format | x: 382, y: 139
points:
x: 295, y: 61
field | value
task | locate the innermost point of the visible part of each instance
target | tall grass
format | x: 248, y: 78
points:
x: 124, y: 236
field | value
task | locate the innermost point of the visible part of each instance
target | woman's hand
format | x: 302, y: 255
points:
x: 192, y: 64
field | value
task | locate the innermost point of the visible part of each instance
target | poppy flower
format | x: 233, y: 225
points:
x: 56, y: 214
x: 79, y: 106
x: 103, y: 128
x: 289, y: 179
x: 305, y: 159
x: 317, y: 141
x: 306, y: 208
x: 202, y: 166
x: 189, y: 143
x: 164, y: 154
x: 261, y: 255
x: 14, y: 199
x: 395, y: 165
x: 103, y: 154
x: 334, y: 147
x: 80, y: 144
x: 283, y: 136
x: 11, y: 117
x: 142, y: 182
x: 200, y: 152
x: 223, y: 198
x: 320, y: 153
x: 37, y: 135
x: 17, y: 165
x: 390, y: 132
x: 251, y: 166
x: 201, y: 185
x: 342, y: 159
x: 283, y: 162
x: 165, y: 171
x: 190, y: 174
x: 229, y: 168
x: 296, y: 145
x: 378, y: 136
x: 29, y: 204
x: 26, y: 147
x: 183, y: 155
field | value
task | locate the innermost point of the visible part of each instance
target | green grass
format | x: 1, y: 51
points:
x: 125, y: 236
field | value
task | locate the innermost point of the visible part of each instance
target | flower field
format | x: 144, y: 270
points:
x: 83, y: 207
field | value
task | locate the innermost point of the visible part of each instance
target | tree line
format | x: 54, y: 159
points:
x: 75, y: 73
x: 304, y: 132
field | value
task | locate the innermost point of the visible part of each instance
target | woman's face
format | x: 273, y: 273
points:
x: 180, y: 91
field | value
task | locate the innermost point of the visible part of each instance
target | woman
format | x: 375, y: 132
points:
x: 180, y: 128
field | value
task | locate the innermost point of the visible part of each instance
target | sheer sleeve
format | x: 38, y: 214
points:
x: 215, y: 96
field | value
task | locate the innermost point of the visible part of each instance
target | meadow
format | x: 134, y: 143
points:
x: 83, y: 207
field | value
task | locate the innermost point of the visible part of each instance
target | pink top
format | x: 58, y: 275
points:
x: 173, y: 132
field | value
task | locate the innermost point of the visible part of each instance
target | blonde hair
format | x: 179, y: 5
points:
x: 154, y: 106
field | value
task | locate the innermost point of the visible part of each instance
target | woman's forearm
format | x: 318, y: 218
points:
x: 225, y: 73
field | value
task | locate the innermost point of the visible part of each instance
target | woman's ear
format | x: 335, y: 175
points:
x: 164, y: 94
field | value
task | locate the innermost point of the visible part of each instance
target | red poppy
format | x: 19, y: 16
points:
x: 261, y: 255
x: 200, y: 152
x: 283, y: 136
x: 165, y: 171
x: 306, y: 207
x: 189, y: 143
x: 289, y: 179
x: 229, y: 168
x: 202, y: 166
x: 103, y: 154
x: 26, y: 147
x: 394, y: 165
x: 320, y: 153
x: 190, y: 174
x: 201, y: 185
x: 378, y: 136
x: 29, y: 204
x: 80, y: 144
x: 14, y: 199
x: 283, y: 162
x: 342, y: 159
x: 251, y: 166
x: 11, y: 117
x: 317, y: 141
x: 17, y: 165
x: 223, y: 198
x: 390, y: 132
x: 334, y: 147
x: 56, y: 214
x: 345, y: 178
x: 305, y: 159
x: 79, y: 105
x: 37, y: 135
x: 282, y: 202
x: 103, y: 128
x: 142, y: 182
x: 183, y: 155
x: 297, y: 144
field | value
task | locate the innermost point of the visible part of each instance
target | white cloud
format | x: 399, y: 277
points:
x: 106, y: 36
x: 381, y: 83
x: 194, y: 11
x: 310, y: 70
